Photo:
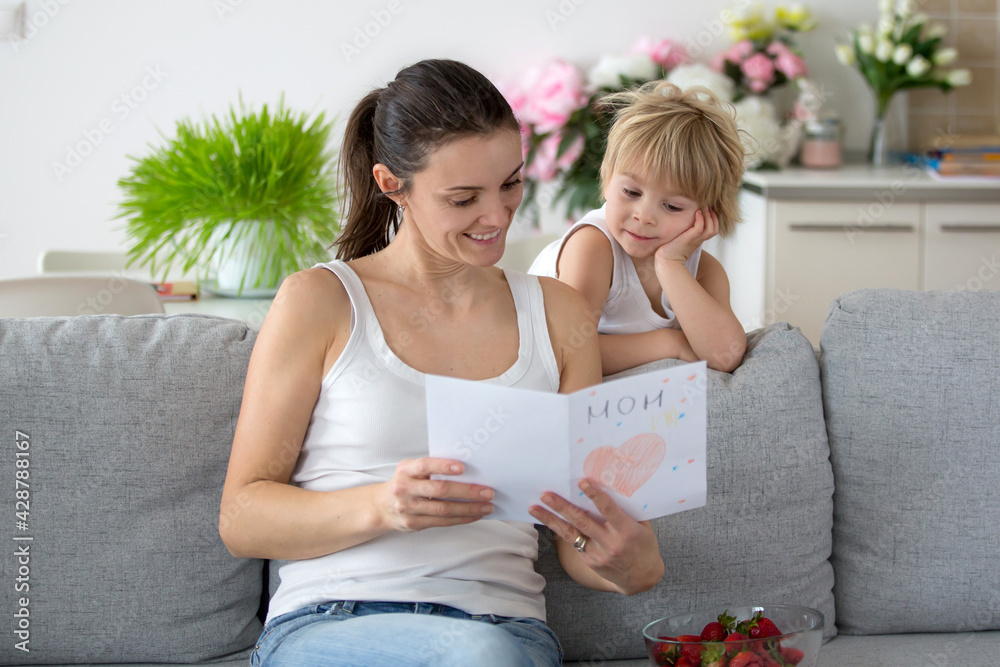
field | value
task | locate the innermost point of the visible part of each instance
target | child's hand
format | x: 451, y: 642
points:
x: 706, y: 225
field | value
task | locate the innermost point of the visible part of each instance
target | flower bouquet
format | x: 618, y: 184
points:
x: 764, y: 56
x: 901, y: 52
x: 564, y: 129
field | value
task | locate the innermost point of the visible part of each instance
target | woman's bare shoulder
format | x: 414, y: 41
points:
x: 310, y: 302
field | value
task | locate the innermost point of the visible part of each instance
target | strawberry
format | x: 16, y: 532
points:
x: 733, y: 647
x: 690, y: 651
x: 746, y: 659
x: 684, y: 662
x: 716, y: 631
x: 765, y: 628
x: 792, y: 655
x: 665, y: 654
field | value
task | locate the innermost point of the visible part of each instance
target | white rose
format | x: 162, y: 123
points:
x: 945, y: 56
x: 918, y: 67
x: 685, y: 76
x: 959, y: 77
x: 883, y: 51
x: 866, y: 43
x: 845, y: 54
x: 902, y: 54
x: 763, y: 139
x: 609, y: 69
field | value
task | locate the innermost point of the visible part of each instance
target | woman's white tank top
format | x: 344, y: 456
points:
x: 371, y: 413
x: 627, y: 309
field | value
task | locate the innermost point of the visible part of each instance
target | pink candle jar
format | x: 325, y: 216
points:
x: 821, y: 144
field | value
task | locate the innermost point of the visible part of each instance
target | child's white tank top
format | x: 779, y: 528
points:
x: 627, y: 309
x: 369, y: 415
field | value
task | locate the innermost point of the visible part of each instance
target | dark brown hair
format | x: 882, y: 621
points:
x: 428, y: 105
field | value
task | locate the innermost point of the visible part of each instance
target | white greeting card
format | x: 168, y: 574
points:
x: 642, y: 438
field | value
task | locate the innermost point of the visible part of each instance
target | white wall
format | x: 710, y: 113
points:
x: 67, y: 81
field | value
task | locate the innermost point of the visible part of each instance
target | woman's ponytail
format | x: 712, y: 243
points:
x: 371, y: 217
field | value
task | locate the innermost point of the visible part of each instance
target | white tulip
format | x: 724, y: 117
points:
x: 936, y: 30
x: 845, y: 54
x: 865, y: 29
x: 905, y: 7
x: 883, y: 51
x: 918, y: 19
x: 902, y: 54
x: 884, y: 26
x: 866, y: 43
x: 885, y: 7
x: 959, y: 77
x: 945, y: 56
x: 918, y: 67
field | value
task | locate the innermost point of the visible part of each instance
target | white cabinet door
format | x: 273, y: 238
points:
x: 963, y: 246
x: 823, y: 249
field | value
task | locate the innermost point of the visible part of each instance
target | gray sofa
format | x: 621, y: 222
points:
x: 864, y: 483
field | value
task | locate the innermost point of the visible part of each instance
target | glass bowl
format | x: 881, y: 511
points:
x: 798, y: 645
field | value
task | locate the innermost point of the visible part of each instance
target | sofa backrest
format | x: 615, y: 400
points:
x: 118, y: 433
x: 913, y: 416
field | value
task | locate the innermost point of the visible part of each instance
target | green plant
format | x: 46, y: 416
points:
x: 187, y: 201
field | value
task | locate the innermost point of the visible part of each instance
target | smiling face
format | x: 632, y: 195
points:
x: 644, y: 213
x: 462, y: 203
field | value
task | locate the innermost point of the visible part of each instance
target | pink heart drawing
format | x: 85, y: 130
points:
x: 626, y: 468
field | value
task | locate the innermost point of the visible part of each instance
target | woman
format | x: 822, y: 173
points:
x: 329, y: 467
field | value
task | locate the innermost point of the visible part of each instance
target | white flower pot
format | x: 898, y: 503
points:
x: 240, y: 258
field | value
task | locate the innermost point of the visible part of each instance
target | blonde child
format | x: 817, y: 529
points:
x: 670, y: 179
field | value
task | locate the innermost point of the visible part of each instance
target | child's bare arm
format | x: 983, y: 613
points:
x: 620, y: 352
x: 702, y: 308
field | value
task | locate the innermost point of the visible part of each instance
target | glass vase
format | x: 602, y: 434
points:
x: 878, y: 149
x: 878, y: 146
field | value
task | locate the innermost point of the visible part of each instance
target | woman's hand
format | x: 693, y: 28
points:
x: 412, y: 501
x: 706, y: 226
x: 620, y: 551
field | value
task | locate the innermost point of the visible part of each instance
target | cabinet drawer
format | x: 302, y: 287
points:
x: 823, y: 249
x: 963, y: 246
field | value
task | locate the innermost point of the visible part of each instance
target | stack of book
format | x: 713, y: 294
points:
x: 181, y: 290
x: 970, y: 157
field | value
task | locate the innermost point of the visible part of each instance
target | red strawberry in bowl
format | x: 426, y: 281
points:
x: 764, y: 628
x: 690, y: 651
x: 791, y: 655
x: 717, y: 631
x: 746, y: 659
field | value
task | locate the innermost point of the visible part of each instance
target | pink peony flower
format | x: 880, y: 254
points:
x: 740, y: 51
x: 551, y: 94
x: 545, y: 166
x: 777, y: 48
x: 665, y: 53
x: 758, y: 67
x: 791, y: 65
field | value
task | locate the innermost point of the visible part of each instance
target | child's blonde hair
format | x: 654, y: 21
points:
x: 689, y: 136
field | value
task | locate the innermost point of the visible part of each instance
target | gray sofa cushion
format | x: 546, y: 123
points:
x: 764, y: 535
x: 130, y: 423
x: 913, y: 416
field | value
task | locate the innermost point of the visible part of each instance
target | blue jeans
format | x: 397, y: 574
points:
x: 402, y: 633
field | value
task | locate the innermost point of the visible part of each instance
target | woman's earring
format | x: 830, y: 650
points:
x: 401, y: 207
